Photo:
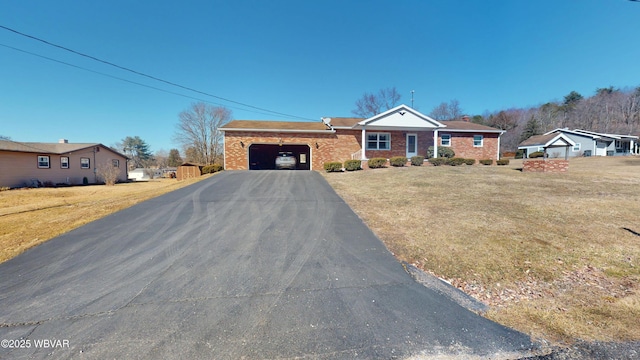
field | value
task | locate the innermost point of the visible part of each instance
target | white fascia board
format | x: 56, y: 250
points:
x: 281, y: 131
x: 398, y: 128
x: 562, y: 138
x: 573, y: 132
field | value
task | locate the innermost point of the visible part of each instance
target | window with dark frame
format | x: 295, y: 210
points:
x: 85, y: 163
x: 43, y: 162
x: 477, y: 140
x: 64, y: 162
x: 115, y: 162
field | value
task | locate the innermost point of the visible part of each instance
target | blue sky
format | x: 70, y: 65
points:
x: 305, y: 58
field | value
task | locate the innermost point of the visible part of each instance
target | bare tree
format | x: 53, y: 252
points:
x: 161, y: 158
x: 372, y: 104
x: 447, y: 111
x: 199, y: 129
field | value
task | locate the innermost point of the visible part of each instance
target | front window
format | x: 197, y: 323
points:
x: 64, y: 162
x: 116, y: 162
x: 445, y: 140
x: 85, y: 163
x: 43, y: 162
x: 378, y: 141
x: 477, y: 140
x: 576, y: 147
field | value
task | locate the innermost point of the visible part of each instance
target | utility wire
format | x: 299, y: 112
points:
x: 149, y: 76
x: 125, y: 80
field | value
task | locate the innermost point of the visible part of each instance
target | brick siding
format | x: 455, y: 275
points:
x: 462, y: 145
x: 342, y: 144
x: 545, y: 166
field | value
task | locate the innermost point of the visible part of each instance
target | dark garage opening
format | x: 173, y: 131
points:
x: 263, y: 156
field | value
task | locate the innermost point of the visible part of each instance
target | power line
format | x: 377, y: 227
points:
x: 123, y: 79
x: 149, y: 76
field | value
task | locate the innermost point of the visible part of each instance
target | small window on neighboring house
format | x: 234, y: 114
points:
x: 477, y: 140
x: 445, y: 140
x: 116, y: 162
x: 378, y: 141
x: 64, y: 162
x: 85, y: 163
x: 576, y: 147
x: 43, y: 162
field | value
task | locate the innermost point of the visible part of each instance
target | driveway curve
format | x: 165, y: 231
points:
x: 256, y: 265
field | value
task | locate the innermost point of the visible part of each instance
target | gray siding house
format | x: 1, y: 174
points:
x: 587, y: 143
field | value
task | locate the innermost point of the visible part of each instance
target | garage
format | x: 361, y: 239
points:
x: 263, y: 156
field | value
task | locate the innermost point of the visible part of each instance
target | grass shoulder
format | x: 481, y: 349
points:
x: 29, y: 217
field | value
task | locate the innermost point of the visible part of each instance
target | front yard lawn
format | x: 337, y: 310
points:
x: 556, y: 256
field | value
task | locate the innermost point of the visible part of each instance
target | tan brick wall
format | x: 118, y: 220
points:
x: 462, y: 145
x: 546, y: 166
x: 342, y: 144
x: 330, y: 147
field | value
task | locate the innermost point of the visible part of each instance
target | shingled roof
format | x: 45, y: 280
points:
x: 458, y: 125
x: 47, y: 148
x: 276, y: 126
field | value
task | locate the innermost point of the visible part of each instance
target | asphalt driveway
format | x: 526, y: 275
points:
x: 255, y: 265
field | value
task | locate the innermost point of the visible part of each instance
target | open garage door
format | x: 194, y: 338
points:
x: 263, y: 156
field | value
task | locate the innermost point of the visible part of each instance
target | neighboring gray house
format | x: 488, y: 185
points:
x: 587, y: 143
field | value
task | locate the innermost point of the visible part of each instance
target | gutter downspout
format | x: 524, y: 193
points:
x: 498, y: 154
x: 364, y: 144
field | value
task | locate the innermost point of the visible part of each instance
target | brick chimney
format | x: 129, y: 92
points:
x: 465, y: 118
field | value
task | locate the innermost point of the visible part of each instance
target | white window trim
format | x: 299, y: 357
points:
x: 576, y: 147
x: 481, y: 141
x: 64, y: 163
x: 377, y: 134
x: 88, y: 163
x: 442, y: 140
x: 115, y: 163
x: 48, y: 162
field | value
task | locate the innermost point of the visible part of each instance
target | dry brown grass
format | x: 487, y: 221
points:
x: 29, y: 217
x: 554, y: 254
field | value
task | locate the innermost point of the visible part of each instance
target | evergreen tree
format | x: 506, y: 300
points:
x: 174, y: 158
x: 137, y: 150
x: 531, y: 128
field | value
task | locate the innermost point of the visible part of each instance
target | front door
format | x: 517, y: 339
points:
x: 412, y: 145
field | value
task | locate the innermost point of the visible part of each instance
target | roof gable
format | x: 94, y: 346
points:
x: 401, y: 117
x: 548, y: 140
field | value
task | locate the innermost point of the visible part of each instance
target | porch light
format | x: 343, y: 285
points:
x: 317, y: 146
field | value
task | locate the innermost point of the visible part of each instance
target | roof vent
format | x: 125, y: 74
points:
x: 63, y: 141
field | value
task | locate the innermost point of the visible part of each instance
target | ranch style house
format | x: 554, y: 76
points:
x: 27, y: 163
x: 401, y: 131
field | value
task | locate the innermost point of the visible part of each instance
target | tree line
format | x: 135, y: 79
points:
x: 198, y: 133
x: 608, y: 110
